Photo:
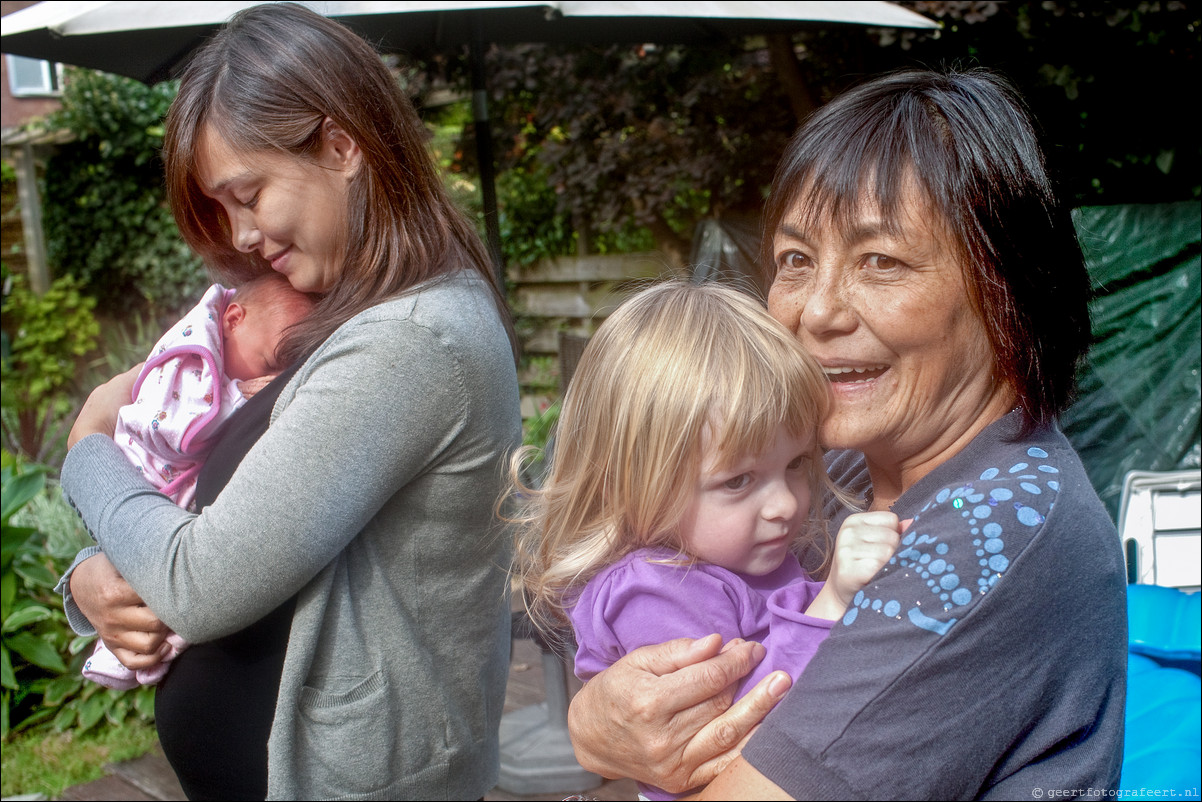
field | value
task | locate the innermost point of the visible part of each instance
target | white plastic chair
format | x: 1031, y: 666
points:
x: 1160, y: 526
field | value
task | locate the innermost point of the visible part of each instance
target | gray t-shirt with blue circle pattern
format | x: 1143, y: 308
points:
x: 987, y: 659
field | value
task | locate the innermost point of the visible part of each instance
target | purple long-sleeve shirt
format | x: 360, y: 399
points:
x: 647, y: 597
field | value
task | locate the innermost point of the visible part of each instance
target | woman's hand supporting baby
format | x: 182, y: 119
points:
x: 132, y: 632
x: 126, y: 625
x: 676, y: 722
x: 99, y: 412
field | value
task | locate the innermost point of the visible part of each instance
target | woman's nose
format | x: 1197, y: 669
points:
x: 245, y: 236
x: 825, y: 308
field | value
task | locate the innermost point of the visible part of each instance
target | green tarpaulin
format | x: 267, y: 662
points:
x: 1139, y: 397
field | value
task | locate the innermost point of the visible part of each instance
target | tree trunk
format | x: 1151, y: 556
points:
x: 784, y: 62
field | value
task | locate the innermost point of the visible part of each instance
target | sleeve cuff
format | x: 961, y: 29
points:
x: 78, y: 621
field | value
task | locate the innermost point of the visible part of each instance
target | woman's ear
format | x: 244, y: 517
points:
x: 339, y: 150
x: 234, y: 314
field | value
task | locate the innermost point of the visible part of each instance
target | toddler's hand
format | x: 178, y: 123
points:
x: 865, y: 543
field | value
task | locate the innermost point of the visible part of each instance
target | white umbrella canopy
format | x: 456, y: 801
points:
x: 149, y: 41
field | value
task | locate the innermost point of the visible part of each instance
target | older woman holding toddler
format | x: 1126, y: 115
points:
x: 916, y: 249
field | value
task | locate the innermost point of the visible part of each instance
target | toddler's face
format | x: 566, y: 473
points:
x: 745, y: 517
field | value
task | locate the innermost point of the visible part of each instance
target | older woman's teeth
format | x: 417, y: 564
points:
x: 854, y: 374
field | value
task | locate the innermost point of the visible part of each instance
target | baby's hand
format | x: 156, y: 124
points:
x: 865, y: 543
x: 251, y: 386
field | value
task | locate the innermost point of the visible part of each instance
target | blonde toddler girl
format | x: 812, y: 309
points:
x: 685, y: 485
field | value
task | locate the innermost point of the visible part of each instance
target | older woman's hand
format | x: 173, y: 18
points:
x: 132, y: 632
x: 99, y: 412
x: 662, y: 714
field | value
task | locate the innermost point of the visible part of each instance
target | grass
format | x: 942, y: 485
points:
x: 44, y: 763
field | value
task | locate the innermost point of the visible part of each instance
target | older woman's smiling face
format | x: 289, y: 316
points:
x: 886, y: 311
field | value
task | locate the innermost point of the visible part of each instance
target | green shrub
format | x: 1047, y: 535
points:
x: 105, y: 211
x: 538, y: 432
x: 21, y: 617
x: 41, y: 657
x: 46, y: 335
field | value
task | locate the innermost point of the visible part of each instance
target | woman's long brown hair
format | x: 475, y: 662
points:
x: 267, y: 81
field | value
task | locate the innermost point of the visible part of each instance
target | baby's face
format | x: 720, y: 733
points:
x: 250, y: 343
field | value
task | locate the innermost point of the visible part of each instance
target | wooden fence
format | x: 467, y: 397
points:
x: 570, y: 296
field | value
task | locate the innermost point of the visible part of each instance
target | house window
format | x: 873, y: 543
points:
x: 31, y: 77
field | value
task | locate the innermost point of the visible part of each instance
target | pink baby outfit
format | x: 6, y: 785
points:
x: 180, y: 400
x: 105, y: 669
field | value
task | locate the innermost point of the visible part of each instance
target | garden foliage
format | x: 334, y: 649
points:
x: 105, y: 212
x: 1106, y: 81
x: 41, y: 657
x: 45, y: 337
x: 639, y: 137
x: 661, y: 136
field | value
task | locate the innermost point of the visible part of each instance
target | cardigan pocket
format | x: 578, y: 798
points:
x: 348, y: 739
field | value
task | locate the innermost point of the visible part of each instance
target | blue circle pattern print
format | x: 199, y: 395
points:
x: 982, y: 525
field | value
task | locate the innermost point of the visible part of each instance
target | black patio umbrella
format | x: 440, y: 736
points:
x: 151, y: 41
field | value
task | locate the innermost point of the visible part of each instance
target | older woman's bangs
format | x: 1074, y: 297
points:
x: 872, y: 159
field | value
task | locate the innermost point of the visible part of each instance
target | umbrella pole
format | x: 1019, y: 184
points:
x: 488, y: 178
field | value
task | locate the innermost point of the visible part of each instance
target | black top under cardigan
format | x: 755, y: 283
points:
x: 214, y: 709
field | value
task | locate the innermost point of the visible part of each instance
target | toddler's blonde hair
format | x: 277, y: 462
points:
x: 674, y: 365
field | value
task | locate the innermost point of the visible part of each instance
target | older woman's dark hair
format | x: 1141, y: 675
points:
x: 266, y: 82
x: 969, y: 142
